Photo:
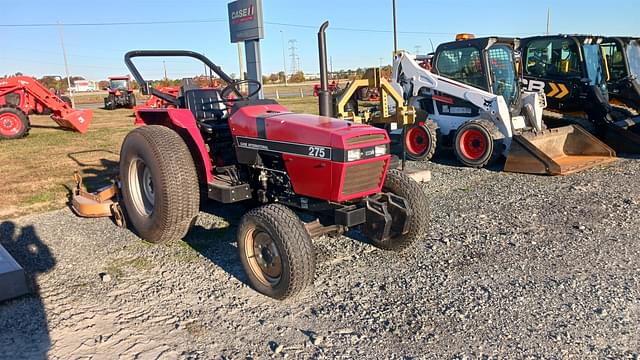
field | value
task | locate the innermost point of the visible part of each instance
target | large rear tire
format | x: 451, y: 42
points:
x: 420, y: 141
x: 276, y: 251
x: 475, y: 144
x: 14, y: 123
x: 399, y: 183
x: 132, y: 101
x: 159, y: 184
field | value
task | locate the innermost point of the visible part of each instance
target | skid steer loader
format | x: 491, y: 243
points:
x: 473, y: 95
x: 573, y: 71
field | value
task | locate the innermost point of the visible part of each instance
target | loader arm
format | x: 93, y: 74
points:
x: 409, y: 79
x: 63, y: 114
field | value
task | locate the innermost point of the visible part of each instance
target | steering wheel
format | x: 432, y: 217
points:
x: 234, y: 88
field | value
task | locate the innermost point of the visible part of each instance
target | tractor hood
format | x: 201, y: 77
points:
x: 276, y: 123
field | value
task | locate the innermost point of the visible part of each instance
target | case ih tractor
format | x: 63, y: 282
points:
x: 256, y: 151
x: 120, y: 93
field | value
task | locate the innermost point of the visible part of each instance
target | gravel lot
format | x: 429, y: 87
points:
x: 515, y: 266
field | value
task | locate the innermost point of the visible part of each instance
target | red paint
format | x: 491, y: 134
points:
x: 10, y: 124
x: 443, y: 99
x: 417, y: 140
x: 473, y: 144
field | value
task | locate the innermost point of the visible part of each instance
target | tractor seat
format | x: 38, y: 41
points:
x: 205, y: 104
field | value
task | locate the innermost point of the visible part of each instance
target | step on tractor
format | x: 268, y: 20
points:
x: 574, y: 72
x: 623, y: 59
x: 238, y: 148
x: 120, y: 93
x: 23, y: 95
x: 473, y: 95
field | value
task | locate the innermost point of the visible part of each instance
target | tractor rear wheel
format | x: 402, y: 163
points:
x: 132, y: 101
x: 475, y: 144
x: 110, y: 102
x: 159, y: 183
x: 399, y: 183
x: 276, y: 251
x: 420, y: 141
x: 14, y: 123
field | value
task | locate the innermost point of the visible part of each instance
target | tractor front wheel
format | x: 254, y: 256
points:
x: 160, y: 189
x: 276, y: 251
x: 420, y: 141
x: 132, y: 101
x: 14, y: 124
x: 399, y: 183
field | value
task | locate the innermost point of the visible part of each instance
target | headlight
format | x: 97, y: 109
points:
x: 354, y: 154
x: 381, y: 150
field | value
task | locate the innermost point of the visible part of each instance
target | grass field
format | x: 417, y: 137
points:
x: 37, y: 170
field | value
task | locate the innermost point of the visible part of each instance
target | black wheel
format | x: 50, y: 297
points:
x: 276, y: 251
x: 420, y: 141
x: 132, y: 101
x: 399, y: 183
x: 66, y: 99
x: 110, y: 102
x: 475, y: 143
x: 14, y: 123
x: 159, y: 183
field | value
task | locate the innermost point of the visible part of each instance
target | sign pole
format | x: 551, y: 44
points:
x: 245, y: 25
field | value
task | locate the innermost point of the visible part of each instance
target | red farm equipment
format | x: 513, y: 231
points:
x: 335, y: 174
x: 120, y: 93
x: 155, y: 102
x: 23, y: 95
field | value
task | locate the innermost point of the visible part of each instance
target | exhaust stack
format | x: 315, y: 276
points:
x: 324, y: 97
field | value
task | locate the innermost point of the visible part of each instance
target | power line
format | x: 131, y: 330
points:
x: 126, y: 23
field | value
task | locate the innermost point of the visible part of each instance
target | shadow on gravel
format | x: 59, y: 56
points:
x: 24, y: 331
x: 218, y: 244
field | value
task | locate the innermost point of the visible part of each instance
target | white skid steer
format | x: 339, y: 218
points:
x: 481, y: 127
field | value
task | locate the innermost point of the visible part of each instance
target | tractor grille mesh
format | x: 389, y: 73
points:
x: 362, y: 139
x: 362, y: 177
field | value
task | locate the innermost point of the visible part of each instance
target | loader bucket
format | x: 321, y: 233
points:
x: 559, y: 151
x: 624, y: 136
x: 77, y: 120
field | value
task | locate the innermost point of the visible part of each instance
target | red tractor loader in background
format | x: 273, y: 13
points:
x: 120, y: 93
x: 242, y: 149
x: 23, y: 95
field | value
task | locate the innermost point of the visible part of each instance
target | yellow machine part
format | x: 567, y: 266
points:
x: 404, y: 115
x: 559, y: 151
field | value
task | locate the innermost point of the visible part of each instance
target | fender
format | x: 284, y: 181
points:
x: 183, y: 122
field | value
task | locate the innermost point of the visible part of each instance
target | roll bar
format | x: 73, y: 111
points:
x: 144, y: 86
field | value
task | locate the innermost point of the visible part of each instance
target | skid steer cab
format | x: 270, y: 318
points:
x: 120, y: 93
x: 256, y: 151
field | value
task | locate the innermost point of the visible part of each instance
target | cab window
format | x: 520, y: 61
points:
x: 615, y: 60
x: 552, y: 57
x: 464, y: 65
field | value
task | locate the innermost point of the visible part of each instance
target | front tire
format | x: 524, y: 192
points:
x: 420, y: 141
x: 132, y: 101
x: 14, y: 123
x: 159, y: 183
x: 475, y: 145
x: 276, y: 251
x: 399, y: 183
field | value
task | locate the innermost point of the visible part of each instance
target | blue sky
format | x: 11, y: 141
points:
x: 97, y: 51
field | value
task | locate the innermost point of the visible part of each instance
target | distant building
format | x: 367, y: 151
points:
x: 84, y: 85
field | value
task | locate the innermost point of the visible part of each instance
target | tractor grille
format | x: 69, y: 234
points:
x: 362, y: 139
x: 362, y: 177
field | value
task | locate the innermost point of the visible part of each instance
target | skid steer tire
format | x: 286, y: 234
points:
x: 420, y: 141
x: 477, y: 143
x: 159, y: 184
x: 276, y: 251
x: 14, y: 124
x: 399, y: 183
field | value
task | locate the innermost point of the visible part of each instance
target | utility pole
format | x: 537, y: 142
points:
x: 418, y: 47
x: 66, y: 64
x: 164, y: 66
x: 331, y: 67
x: 284, y: 59
x: 241, y: 60
x: 395, y: 32
x: 548, y: 20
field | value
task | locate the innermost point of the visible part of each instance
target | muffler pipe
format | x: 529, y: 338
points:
x: 324, y: 97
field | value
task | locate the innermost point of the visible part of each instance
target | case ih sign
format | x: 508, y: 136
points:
x: 245, y: 20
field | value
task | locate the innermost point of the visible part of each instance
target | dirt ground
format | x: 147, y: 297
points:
x: 513, y: 266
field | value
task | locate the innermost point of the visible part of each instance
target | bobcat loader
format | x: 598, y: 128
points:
x: 482, y: 126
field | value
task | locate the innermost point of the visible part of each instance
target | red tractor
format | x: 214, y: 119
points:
x: 23, y: 95
x: 120, y: 93
x: 242, y: 149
